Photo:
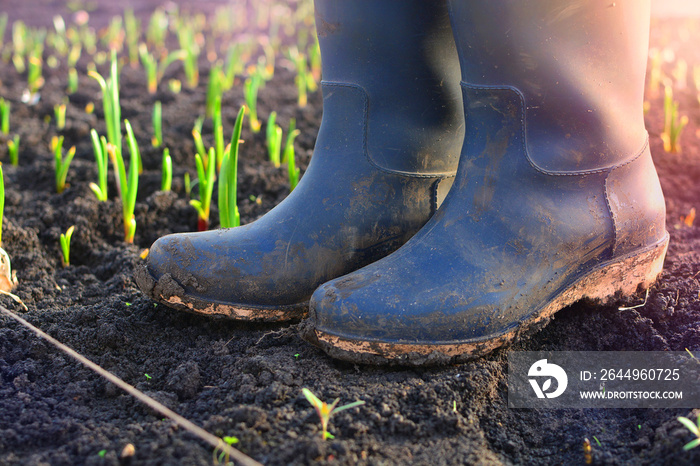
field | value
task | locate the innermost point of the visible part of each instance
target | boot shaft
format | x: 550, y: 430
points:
x: 579, y: 68
x: 401, y: 55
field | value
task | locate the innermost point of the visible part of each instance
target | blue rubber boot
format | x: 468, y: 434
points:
x: 385, y: 157
x: 556, y: 198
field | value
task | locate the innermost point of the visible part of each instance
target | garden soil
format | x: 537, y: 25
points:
x: 246, y: 380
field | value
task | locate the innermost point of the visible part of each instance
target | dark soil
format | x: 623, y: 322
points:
x: 246, y: 380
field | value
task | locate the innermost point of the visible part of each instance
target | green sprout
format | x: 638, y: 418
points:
x: 127, y: 185
x: 673, y: 124
x: 694, y: 429
x: 3, y: 26
x: 166, y: 180
x: 157, y: 120
x: 4, y: 116
x: 289, y: 156
x: 234, y: 66
x: 325, y: 411
x: 214, y: 88
x: 250, y: 90
x: 303, y: 76
x: 72, y: 81
x: 132, y: 28
x: 65, y: 246
x: 223, y: 456
x: 35, y: 80
x: 13, y: 150
x: 110, y: 102
x: 187, y: 183
x: 218, y: 133
x: 175, y: 86
x: 99, y: 148
x: 186, y: 36
x: 156, y: 69
x: 229, y: 216
x: 157, y: 29
x: 274, y: 139
x: 113, y: 37
x: 102, y: 453
x: 206, y: 178
x: 199, y: 145
x: 59, y: 111
x: 61, y: 163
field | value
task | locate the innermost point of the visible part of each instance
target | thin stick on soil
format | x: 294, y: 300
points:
x: 212, y: 440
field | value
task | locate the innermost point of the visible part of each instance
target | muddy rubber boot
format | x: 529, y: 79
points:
x: 386, y: 155
x: 556, y: 198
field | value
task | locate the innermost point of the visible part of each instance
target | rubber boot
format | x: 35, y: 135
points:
x: 386, y: 154
x: 556, y: 198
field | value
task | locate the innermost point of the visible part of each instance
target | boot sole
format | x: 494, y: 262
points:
x: 167, y: 291
x: 623, y: 275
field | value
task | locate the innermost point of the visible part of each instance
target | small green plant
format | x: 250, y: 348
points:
x: 59, y: 111
x: 199, y: 145
x: 694, y: 429
x: 156, y: 69
x: 35, y: 80
x: 273, y: 135
x: 218, y: 133
x: 250, y: 91
x: 72, y: 81
x: 4, y: 116
x: 99, y: 148
x: 289, y: 156
x: 127, y: 185
x: 223, y: 456
x: 187, y: 183
x: 214, y: 88
x: 157, y: 30
x: 673, y: 124
x: 157, y: 121
x: 325, y: 411
x: 206, y: 178
x: 166, y: 180
x: 61, y: 163
x: 303, y: 77
x: 13, y: 150
x: 65, y: 246
x: 229, y: 216
x: 132, y: 29
x: 110, y: 101
x: 188, y: 42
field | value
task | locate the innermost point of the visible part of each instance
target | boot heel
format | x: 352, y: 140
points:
x: 622, y: 277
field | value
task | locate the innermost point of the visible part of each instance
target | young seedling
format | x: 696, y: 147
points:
x: 229, y: 216
x: 199, y: 145
x: 303, y: 77
x: 61, y: 163
x: 35, y: 80
x: 110, y: 101
x: 13, y: 150
x: 132, y: 28
x: 274, y: 139
x: 250, y: 90
x: 157, y: 30
x: 673, y: 124
x: 694, y: 429
x: 325, y: 411
x: 129, y: 186
x: 166, y: 180
x: 223, y: 456
x: 206, y: 180
x: 289, y: 156
x: 214, y: 88
x: 4, y: 116
x: 188, y: 43
x: 218, y: 133
x: 65, y: 246
x: 7, y: 278
x: 59, y: 111
x: 72, y: 81
x: 156, y: 69
x: 157, y: 120
x: 99, y: 148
